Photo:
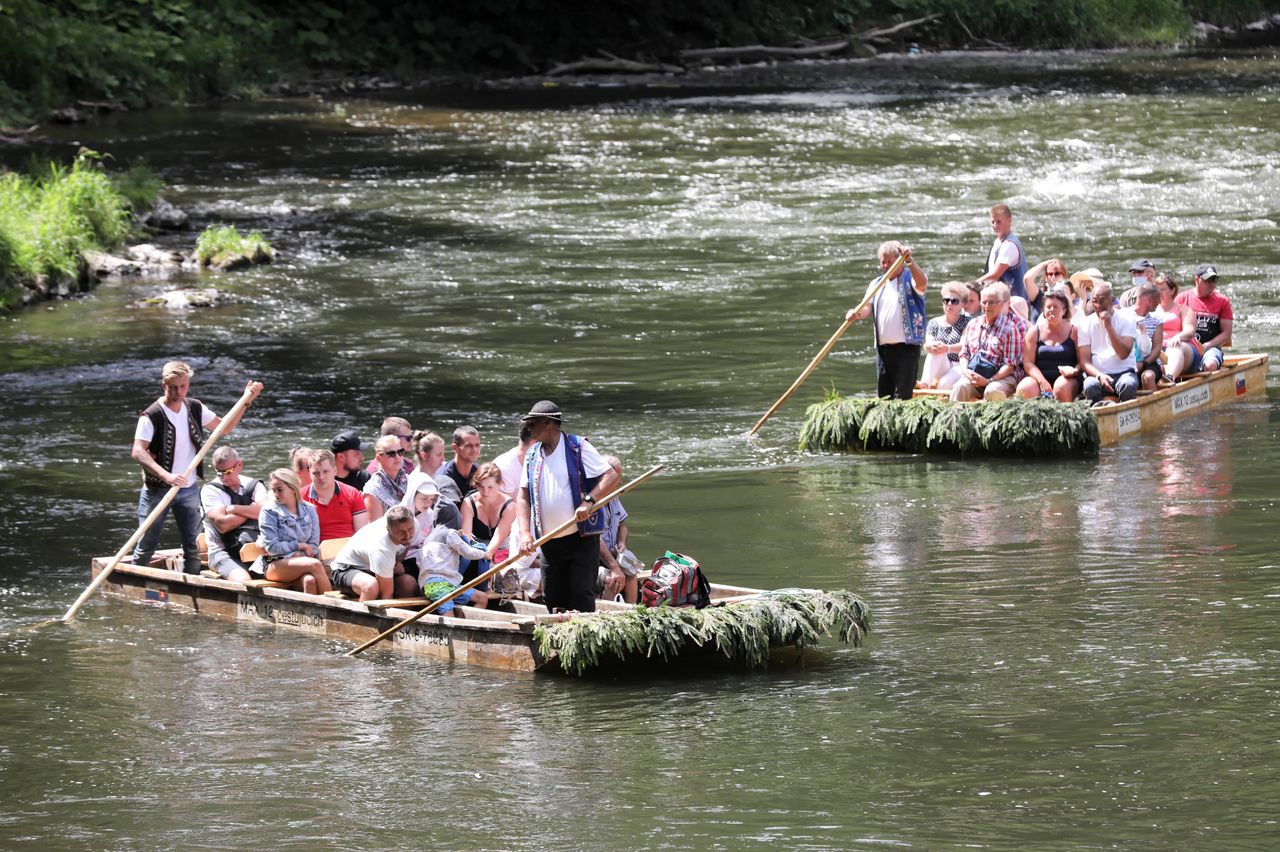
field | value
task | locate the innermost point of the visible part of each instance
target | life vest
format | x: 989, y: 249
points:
x: 164, y: 438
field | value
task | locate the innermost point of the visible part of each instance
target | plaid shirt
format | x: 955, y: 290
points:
x: 1001, y: 343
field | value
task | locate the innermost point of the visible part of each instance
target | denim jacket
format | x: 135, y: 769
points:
x: 282, y: 532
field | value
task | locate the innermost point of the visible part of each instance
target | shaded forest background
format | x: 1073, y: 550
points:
x: 147, y: 51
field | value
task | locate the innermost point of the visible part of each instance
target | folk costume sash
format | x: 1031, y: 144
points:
x: 579, y: 484
x: 164, y: 439
x: 911, y: 305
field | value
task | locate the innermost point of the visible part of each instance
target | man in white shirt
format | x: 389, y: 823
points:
x: 1107, y: 342
x: 511, y: 463
x: 231, y: 505
x: 563, y: 477
x: 370, y: 564
x: 168, y: 436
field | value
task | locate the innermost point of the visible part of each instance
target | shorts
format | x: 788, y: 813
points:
x: 343, y: 576
x: 1197, y: 360
x: 436, y: 588
x: 224, y: 563
x: 1155, y: 366
x: 1213, y: 353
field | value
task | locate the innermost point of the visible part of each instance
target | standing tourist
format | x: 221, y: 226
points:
x: 166, y: 440
x: 898, y: 309
x: 563, y: 478
x: 1007, y: 262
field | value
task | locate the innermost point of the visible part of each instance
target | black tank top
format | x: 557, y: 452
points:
x: 1051, y: 356
x: 479, y: 529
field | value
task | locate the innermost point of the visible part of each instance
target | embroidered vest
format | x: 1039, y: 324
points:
x: 913, y: 311
x: 246, y: 532
x: 1014, y: 274
x: 579, y: 485
x: 165, y: 438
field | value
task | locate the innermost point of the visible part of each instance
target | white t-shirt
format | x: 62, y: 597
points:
x: 888, y: 313
x: 1100, y: 350
x: 211, y: 495
x: 557, y: 502
x: 183, y: 450
x: 370, y: 549
x: 511, y: 463
x: 1002, y: 251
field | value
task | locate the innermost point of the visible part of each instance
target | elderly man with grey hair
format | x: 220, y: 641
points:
x: 231, y: 504
x: 1106, y: 349
x: 991, y: 350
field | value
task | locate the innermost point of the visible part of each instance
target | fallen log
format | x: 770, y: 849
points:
x: 760, y: 51
x: 881, y: 32
x: 613, y: 65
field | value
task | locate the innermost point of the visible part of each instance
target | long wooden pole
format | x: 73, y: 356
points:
x: 434, y: 605
x: 822, y: 353
x: 223, y: 427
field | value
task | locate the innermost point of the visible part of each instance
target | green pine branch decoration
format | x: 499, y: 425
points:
x: 743, y: 632
x: 1014, y: 427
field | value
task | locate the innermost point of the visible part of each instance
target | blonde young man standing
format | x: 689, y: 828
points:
x: 168, y: 435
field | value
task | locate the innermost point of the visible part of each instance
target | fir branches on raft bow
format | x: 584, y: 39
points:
x: 1015, y: 427
x: 743, y: 631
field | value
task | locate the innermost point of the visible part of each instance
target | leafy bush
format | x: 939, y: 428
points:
x: 139, y: 185
x: 221, y: 245
x: 49, y: 217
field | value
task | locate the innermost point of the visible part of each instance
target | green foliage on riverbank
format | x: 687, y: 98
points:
x: 52, y: 214
x: 138, y: 52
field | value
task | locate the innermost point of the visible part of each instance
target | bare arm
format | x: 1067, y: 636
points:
x: 1223, y: 338
x: 373, y: 506
x: 1029, y: 356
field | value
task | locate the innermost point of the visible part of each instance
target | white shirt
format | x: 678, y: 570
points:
x: 371, y: 549
x: 557, y: 502
x: 511, y: 463
x: 183, y: 450
x: 1100, y: 349
x: 888, y: 313
x: 1002, y: 251
x: 211, y: 495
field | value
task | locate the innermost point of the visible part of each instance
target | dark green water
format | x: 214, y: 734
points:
x: 1064, y: 655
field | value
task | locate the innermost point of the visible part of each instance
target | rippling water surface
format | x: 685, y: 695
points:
x: 1063, y: 655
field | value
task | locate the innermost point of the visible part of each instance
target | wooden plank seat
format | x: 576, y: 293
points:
x: 264, y: 584
x: 398, y: 603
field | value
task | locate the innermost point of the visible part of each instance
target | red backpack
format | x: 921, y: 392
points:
x: 675, y: 580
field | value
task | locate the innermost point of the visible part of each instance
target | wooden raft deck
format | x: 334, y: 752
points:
x: 492, y: 638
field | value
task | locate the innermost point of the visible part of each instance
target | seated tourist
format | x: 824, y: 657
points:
x: 511, y: 463
x: 1140, y: 272
x: 232, y: 504
x: 618, y: 565
x: 1050, y: 353
x: 399, y: 427
x: 289, y: 532
x: 487, y: 514
x: 439, y: 571
x: 1082, y: 284
x: 991, y: 350
x: 370, y: 565
x: 1179, y: 330
x: 466, y: 454
x: 1214, y: 319
x: 340, y: 507
x: 1149, y: 342
x: 972, y: 299
x: 421, y: 498
x: 387, y: 485
x: 429, y: 450
x: 348, y: 454
x: 942, y: 339
x: 1107, y: 344
x: 1042, y: 277
x: 300, y: 464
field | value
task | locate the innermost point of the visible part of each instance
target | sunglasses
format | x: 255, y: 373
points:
x: 393, y: 453
x: 947, y: 300
x: 226, y: 470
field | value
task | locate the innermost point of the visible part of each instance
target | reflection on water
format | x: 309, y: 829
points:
x: 1057, y: 647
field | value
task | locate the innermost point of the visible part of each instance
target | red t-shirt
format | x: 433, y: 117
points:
x: 336, y: 519
x: 1209, y: 312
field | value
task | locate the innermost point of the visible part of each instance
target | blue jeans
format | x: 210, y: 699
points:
x: 1126, y: 385
x: 186, y: 510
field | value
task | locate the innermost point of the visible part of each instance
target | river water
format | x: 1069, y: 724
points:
x: 1063, y: 654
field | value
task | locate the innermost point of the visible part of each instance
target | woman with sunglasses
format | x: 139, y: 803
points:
x: 1053, y: 271
x: 942, y: 339
x: 387, y: 485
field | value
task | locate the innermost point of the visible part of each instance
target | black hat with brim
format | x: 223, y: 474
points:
x: 546, y: 408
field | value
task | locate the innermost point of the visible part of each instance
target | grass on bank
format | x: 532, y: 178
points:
x: 221, y: 245
x: 52, y: 214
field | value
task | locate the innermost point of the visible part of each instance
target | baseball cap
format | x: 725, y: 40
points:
x: 345, y: 440
x: 1141, y: 265
x: 1206, y: 271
